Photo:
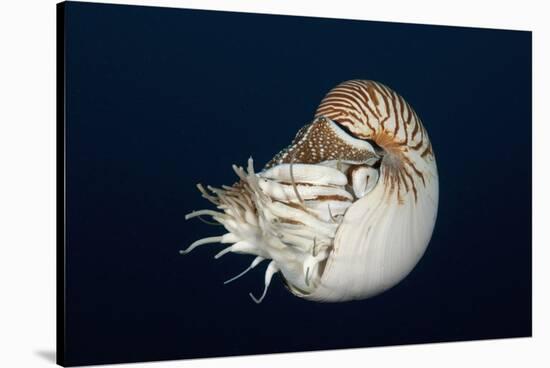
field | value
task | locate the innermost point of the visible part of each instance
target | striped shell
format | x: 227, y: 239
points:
x: 347, y: 209
x: 372, y: 111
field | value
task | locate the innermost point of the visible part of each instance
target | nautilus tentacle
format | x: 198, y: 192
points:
x: 347, y: 210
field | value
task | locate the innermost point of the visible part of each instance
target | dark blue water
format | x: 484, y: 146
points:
x: 161, y: 99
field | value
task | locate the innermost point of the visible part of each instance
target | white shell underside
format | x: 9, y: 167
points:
x: 377, y: 245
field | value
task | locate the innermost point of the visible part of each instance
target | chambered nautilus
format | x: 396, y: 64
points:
x: 347, y: 210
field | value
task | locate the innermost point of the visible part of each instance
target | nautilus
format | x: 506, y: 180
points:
x: 347, y: 210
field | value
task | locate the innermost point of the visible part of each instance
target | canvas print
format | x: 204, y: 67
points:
x: 236, y: 184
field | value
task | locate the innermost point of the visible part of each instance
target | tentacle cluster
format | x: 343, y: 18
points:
x: 279, y: 215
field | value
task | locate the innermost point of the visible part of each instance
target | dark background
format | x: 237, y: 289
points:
x: 161, y: 99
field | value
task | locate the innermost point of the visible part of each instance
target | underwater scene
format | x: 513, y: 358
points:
x: 248, y: 184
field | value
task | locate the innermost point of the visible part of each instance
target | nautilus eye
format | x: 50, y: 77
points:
x: 362, y: 178
x: 346, y: 210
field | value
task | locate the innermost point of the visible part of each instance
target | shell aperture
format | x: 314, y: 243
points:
x: 344, y: 212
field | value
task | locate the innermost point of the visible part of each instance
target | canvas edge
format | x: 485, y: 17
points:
x: 60, y: 185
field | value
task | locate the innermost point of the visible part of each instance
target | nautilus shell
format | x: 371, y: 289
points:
x: 347, y: 210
